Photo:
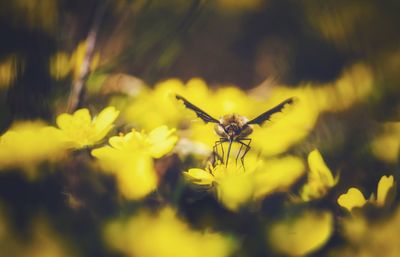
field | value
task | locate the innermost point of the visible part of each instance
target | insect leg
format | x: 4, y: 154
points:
x: 238, y: 154
x: 222, y: 140
x: 215, y: 149
x: 229, y: 151
x: 247, y: 146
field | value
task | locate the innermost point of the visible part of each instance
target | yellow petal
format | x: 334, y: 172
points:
x: 27, y: 144
x: 301, y: 235
x: 137, y: 178
x: 353, y: 198
x: 355, y: 228
x: 118, y: 142
x: 105, y: 118
x: 318, y: 168
x: 135, y: 173
x: 110, y: 159
x: 64, y: 120
x: 277, y: 175
x: 235, y: 190
x: 386, y: 147
x: 135, y: 236
x: 384, y: 185
x: 79, y: 129
x: 199, y: 177
x: 82, y: 116
x: 161, y: 141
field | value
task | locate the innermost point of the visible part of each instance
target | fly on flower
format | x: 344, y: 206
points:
x: 234, y: 128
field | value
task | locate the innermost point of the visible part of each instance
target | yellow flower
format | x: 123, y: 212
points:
x: 26, y: 144
x: 59, y: 65
x: 370, y: 238
x: 41, y: 241
x: 385, y: 184
x: 8, y: 70
x: 355, y: 198
x: 136, y: 236
x: 277, y: 175
x: 80, y: 130
x: 386, y: 146
x: 160, y: 105
x: 235, y: 186
x: 135, y: 174
x: 290, y: 126
x: 130, y: 159
x: 63, y: 63
x: 320, y: 179
x: 78, y: 57
x: 157, y: 143
x: 355, y: 84
x: 239, y: 5
x: 295, y: 124
x: 301, y: 235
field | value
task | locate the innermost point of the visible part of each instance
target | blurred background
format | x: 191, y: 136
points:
x: 59, y: 55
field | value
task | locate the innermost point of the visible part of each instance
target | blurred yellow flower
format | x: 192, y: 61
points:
x: 40, y: 16
x: 355, y: 198
x: 157, y: 143
x: 130, y: 159
x: 320, y: 179
x: 288, y: 127
x: 59, y: 65
x: 164, y: 235
x: 277, y: 175
x: 63, y: 64
x: 342, y: 23
x: 385, y: 184
x: 8, y: 70
x: 239, y: 5
x: 27, y: 144
x: 78, y: 57
x: 370, y: 238
x: 236, y: 186
x: 41, y: 241
x: 354, y: 85
x: 386, y: 145
x: 160, y: 105
x: 134, y: 171
x: 301, y: 235
x: 45, y: 242
x: 80, y: 130
x: 162, y: 108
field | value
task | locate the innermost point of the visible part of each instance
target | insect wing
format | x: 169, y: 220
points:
x: 199, y: 112
x: 266, y: 115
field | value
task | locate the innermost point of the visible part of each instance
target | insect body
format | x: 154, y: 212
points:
x: 233, y: 127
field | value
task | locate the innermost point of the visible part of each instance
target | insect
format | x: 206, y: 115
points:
x: 233, y: 127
